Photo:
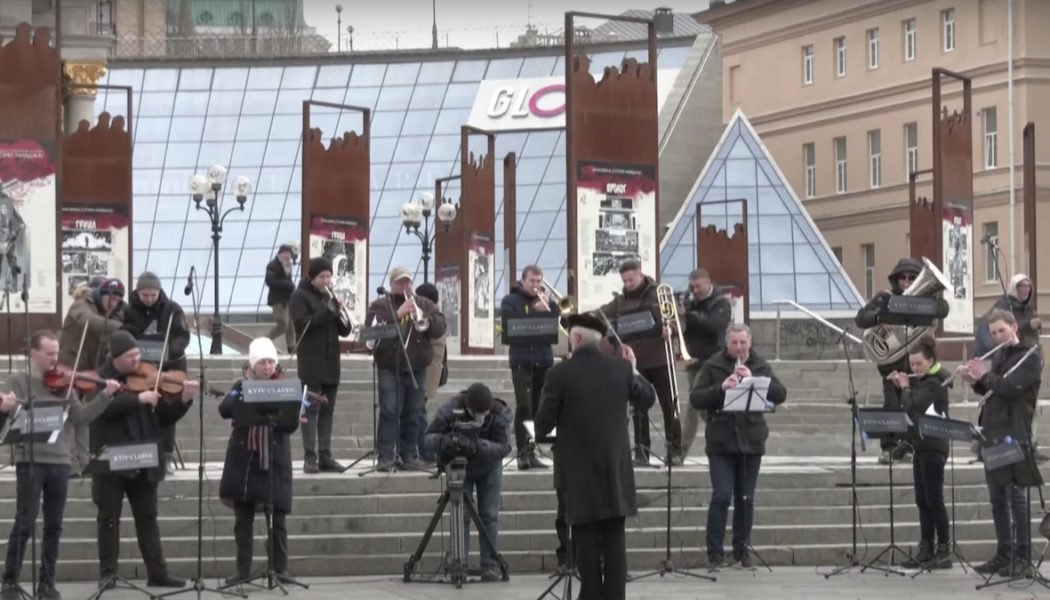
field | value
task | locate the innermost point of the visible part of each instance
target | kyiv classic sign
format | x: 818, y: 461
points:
x: 503, y: 104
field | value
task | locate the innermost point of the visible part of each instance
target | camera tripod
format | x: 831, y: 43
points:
x: 456, y: 564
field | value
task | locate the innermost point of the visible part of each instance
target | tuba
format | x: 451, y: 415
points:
x: 886, y: 344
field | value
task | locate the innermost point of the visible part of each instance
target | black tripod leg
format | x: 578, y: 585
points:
x: 484, y: 538
x: 410, y: 566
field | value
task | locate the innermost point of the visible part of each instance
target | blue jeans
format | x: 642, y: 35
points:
x: 400, y: 406
x: 489, y: 487
x: 733, y: 477
x: 52, y: 481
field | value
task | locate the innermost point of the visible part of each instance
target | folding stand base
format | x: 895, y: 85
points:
x: 269, y: 579
x: 369, y: 454
x: 667, y: 567
x: 22, y: 593
x: 751, y: 550
x: 113, y: 582
x: 562, y: 574
x: 199, y: 586
x: 889, y: 566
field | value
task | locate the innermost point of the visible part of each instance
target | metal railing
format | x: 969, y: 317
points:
x: 842, y: 332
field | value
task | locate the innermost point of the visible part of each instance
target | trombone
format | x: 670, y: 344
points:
x: 565, y: 306
x: 666, y: 300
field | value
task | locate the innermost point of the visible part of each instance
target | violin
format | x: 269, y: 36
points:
x: 61, y: 377
x: 246, y: 371
x: 146, y: 376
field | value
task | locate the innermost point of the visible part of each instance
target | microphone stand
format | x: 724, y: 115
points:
x: 6, y: 301
x: 197, y: 584
x: 32, y: 593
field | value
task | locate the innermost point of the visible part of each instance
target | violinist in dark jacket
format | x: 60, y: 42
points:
x: 318, y: 326
x: 1006, y: 418
x: 280, y: 284
x: 489, y: 421
x: 528, y: 361
x: 131, y: 418
x: 146, y: 317
x: 246, y: 474
x: 902, y: 275
x: 708, y: 311
x: 923, y: 393
x: 735, y: 441
x: 586, y: 397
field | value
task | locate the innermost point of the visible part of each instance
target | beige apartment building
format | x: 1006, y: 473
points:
x: 840, y: 93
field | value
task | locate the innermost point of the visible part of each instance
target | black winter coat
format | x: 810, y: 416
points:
x: 493, y: 437
x: 869, y: 314
x: 388, y: 354
x: 518, y: 303
x: 151, y: 322
x: 917, y: 398
x: 586, y: 397
x: 280, y: 284
x: 126, y: 420
x: 648, y: 351
x: 733, y: 432
x: 244, y: 474
x: 705, y: 324
x: 317, y: 355
x: 1010, y: 408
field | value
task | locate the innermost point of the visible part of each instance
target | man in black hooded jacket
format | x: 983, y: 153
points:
x: 900, y: 278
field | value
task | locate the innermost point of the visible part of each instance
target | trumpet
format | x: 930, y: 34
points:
x: 419, y: 320
x: 565, y: 306
x: 345, y: 316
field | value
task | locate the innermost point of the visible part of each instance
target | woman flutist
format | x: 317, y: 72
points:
x: 922, y: 392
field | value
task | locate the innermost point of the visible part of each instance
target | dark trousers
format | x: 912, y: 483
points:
x: 601, y: 558
x: 317, y: 431
x: 1010, y: 516
x: 52, y: 482
x: 108, y: 491
x: 562, y: 528
x: 733, y: 479
x: 243, y: 534
x: 891, y: 399
x: 167, y: 439
x: 660, y: 379
x: 928, y: 472
x: 401, y: 414
x: 528, y: 385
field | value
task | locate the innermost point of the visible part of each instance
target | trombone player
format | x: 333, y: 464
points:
x: 528, y: 362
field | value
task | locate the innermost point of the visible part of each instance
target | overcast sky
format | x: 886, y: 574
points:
x: 463, y: 23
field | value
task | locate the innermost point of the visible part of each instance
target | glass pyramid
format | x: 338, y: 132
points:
x: 788, y: 257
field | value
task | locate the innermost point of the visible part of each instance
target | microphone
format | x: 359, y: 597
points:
x: 381, y: 291
x: 189, y: 281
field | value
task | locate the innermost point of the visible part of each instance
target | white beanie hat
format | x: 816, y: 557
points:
x: 261, y: 348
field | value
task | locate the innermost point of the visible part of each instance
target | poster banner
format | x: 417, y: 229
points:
x: 616, y: 222
x: 958, y: 261
x: 447, y: 277
x: 481, y: 331
x: 27, y: 224
x: 344, y: 241
x: 95, y: 242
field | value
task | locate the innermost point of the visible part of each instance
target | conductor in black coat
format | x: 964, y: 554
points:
x: 586, y: 397
x: 246, y: 473
x: 736, y: 441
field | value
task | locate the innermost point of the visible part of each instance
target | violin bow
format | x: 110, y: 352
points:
x: 69, y: 390
x: 163, y: 355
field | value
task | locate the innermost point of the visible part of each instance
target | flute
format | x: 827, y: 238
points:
x: 989, y: 393
x: 984, y: 356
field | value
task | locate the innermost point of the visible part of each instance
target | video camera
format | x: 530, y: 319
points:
x: 462, y: 440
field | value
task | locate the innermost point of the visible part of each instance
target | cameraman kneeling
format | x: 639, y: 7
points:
x: 474, y: 425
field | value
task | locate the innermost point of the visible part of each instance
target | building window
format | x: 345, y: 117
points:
x: 911, y: 147
x: 837, y: 251
x: 875, y: 158
x: 991, y: 137
x: 868, y: 250
x: 948, y: 29
x: 873, y: 48
x: 840, y: 57
x: 909, y: 40
x: 809, y: 158
x: 990, y: 231
x: 807, y: 64
x: 840, y: 165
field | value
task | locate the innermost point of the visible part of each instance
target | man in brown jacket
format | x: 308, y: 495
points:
x: 639, y: 292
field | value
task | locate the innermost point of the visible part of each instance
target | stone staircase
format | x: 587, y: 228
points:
x: 353, y: 525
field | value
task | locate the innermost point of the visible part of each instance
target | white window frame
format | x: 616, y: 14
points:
x: 990, y: 229
x: 911, y: 153
x: 809, y: 163
x: 873, y: 48
x: 807, y: 65
x: 948, y: 29
x: 910, y: 39
x: 840, y: 56
x: 991, y: 138
x: 841, y: 183
x: 867, y: 252
x: 875, y: 159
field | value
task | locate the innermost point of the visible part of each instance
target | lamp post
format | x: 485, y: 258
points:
x: 209, y: 189
x: 338, y: 27
x: 350, y: 38
x: 414, y: 214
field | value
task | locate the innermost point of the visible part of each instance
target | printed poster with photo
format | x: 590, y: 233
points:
x: 957, y: 234
x: 448, y: 299
x: 615, y: 222
x: 95, y: 242
x: 481, y: 332
x: 27, y: 224
x: 344, y: 241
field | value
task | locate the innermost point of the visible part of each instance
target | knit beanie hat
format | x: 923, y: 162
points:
x: 148, y: 281
x: 428, y: 291
x: 261, y: 348
x: 319, y: 265
x: 120, y: 343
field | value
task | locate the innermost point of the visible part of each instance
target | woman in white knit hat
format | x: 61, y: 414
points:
x: 245, y: 474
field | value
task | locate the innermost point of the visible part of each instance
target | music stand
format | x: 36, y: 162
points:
x: 374, y: 334
x: 879, y: 423
x: 630, y: 326
x: 118, y: 458
x: 269, y: 403
x: 535, y: 329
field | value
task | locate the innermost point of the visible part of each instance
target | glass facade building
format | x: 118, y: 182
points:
x: 189, y: 116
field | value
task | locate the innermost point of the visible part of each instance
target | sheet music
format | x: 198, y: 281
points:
x: 530, y: 428
x: 932, y: 411
x: 749, y: 395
